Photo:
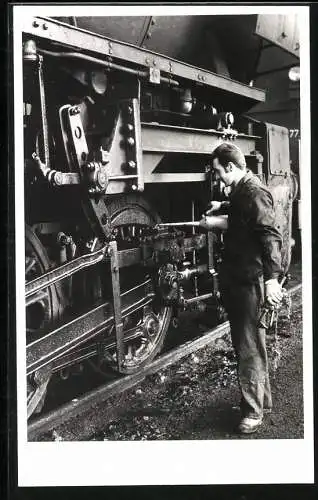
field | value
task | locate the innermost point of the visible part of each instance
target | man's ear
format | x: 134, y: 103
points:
x: 229, y: 167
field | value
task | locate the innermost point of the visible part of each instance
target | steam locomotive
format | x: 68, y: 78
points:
x: 118, y: 136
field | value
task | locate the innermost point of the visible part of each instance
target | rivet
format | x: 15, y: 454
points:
x: 134, y: 187
x: 154, y: 62
x: 45, y: 26
x: 130, y: 141
x: 131, y: 164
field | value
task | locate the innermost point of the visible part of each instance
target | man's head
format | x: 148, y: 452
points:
x: 228, y: 164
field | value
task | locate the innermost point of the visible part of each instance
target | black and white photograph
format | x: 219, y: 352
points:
x: 162, y: 190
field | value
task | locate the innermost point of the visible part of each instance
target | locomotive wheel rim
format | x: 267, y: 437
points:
x: 128, y: 216
x: 39, y: 314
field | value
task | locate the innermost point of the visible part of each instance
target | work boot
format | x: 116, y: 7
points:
x: 249, y: 425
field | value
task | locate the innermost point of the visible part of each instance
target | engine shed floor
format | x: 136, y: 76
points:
x: 197, y: 398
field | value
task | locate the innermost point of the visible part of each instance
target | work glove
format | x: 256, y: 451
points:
x: 273, y: 292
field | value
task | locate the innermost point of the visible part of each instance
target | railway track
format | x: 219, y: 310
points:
x: 60, y: 423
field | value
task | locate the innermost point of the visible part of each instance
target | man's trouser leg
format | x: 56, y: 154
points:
x: 243, y: 304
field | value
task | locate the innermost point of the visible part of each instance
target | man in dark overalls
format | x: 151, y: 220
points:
x: 250, y: 270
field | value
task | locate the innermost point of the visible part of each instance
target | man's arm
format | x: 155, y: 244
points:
x: 210, y: 222
x: 263, y: 218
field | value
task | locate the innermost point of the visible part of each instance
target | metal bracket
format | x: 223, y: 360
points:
x: 114, y: 266
x: 94, y: 174
x: 154, y: 75
x: 278, y: 149
x: 130, y: 110
x: 78, y: 136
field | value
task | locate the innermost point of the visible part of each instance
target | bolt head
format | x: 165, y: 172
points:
x: 58, y: 178
x: 130, y: 110
x: 134, y: 187
x: 91, y: 166
x: 130, y: 141
x: 45, y: 26
x: 35, y: 24
x: 131, y: 164
x: 102, y: 180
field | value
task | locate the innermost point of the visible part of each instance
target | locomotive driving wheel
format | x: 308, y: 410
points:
x: 41, y: 310
x: 130, y: 217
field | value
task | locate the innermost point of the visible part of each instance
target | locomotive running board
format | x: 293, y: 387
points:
x: 45, y: 351
x: 48, y: 29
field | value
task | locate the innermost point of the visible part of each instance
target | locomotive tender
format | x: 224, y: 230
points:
x: 117, y: 142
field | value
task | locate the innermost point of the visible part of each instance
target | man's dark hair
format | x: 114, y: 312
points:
x: 229, y: 152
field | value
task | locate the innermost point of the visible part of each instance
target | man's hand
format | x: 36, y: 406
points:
x: 214, y: 222
x: 215, y: 205
x: 204, y: 223
x: 273, y: 292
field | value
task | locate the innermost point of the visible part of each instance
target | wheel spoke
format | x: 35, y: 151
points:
x: 38, y: 297
x: 29, y: 265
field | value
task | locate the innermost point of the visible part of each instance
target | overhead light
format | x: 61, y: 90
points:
x: 294, y: 74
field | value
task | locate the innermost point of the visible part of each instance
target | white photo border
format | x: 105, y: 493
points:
x: 177, y: 462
